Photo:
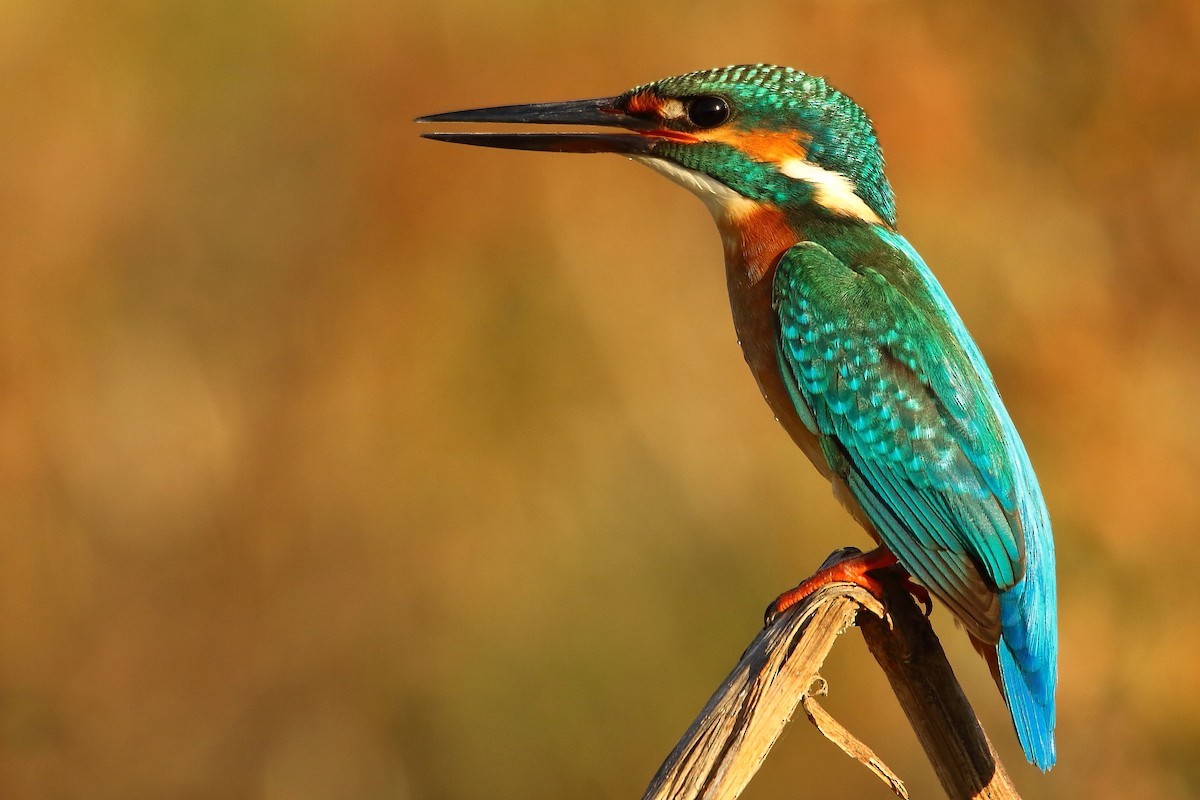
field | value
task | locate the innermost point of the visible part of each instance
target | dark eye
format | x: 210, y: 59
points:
x: 707, y: 112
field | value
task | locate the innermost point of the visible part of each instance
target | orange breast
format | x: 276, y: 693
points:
x: 754, y: 243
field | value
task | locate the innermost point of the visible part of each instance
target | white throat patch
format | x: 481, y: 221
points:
x: 722, y: 202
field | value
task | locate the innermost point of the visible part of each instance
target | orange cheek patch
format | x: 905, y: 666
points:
x: 768, y: 147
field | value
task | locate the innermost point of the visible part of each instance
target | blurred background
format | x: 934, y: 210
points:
x: 337, y: 463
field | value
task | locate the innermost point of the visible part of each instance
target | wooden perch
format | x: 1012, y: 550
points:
x: 730, y: 739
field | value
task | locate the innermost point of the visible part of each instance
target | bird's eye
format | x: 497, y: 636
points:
x: 707, y: 112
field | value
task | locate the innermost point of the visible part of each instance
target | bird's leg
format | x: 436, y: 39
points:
x: 856, y: 569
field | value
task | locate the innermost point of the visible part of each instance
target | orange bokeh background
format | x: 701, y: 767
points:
x: 339, y: 463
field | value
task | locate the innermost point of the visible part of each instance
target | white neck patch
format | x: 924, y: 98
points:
x: 833, y: 190
x: 722, y: 202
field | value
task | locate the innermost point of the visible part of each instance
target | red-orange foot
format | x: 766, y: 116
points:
x: 855, y: 569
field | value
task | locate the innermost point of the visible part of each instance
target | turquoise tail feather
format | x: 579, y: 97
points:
x: 1027, y: 682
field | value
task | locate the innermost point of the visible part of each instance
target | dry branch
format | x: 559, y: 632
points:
x: 728, y: 741
x: 912, y: 657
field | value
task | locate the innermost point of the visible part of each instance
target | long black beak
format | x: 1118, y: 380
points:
x: 601, y: 112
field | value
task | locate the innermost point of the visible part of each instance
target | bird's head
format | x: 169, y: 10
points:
x: 758, y: 133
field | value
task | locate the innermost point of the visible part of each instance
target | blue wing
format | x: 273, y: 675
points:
x: 908, y: 416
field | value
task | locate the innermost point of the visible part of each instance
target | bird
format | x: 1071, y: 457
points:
x: 853, y: 342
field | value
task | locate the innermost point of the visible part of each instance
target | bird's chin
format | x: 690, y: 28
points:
x: 722, y: 202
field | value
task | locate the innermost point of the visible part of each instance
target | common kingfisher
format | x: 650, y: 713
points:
x: 854, y: 344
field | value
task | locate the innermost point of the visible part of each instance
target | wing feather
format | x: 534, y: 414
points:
x: 914, y: 424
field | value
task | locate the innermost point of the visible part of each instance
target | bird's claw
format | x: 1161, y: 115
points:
x: 919, y: 593
x: 856, y: 569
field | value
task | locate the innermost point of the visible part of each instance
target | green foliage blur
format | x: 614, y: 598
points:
x: 337, y: 463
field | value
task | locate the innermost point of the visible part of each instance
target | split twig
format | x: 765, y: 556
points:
x: 730, y: 739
